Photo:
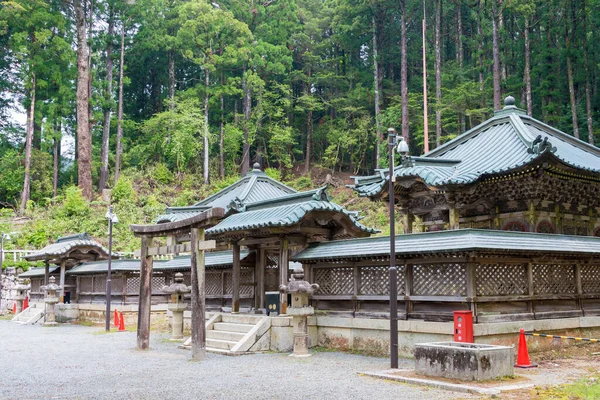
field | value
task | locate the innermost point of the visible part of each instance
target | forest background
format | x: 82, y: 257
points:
x: 166, y: 101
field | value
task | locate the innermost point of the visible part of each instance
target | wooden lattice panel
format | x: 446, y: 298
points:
x: 499, y: 279
x: 246, y: 276
x: 439, y: 280
x: 157, y: 283
x: 214, y: 284
x: 590, y: 278
x: 86, y: 284
x: 35, y: 285
x: 133, y: 284
x: 187, y: 278
x: 334, y: 281
x: 553, y: 279
x: 228, y: 283
x: 116, y: 285
x: 99, y: 284
x: 375, y: 280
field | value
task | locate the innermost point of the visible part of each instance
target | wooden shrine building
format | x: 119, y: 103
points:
x: 511, y: 173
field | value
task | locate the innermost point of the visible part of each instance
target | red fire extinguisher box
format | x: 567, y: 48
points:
x: 463, y: 326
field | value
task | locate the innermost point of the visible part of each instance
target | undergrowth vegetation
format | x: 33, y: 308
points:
x: 139, y: 197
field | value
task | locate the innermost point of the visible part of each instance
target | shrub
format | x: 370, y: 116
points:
x: 162, y: 174
x: 123, y: 191
x: 74, y: 205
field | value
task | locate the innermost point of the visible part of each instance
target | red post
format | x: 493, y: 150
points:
x: 463, y: 326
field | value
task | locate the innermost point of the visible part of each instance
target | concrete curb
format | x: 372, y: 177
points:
x: 454, y: 387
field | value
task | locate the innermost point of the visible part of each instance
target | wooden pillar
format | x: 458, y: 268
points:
x: 530, y: 287
x: 259, y: 278
x: 453, y: 217
x: 578, y: 287
x: 408, y: 287
x: 283, y: 273
x: 47, y: 272
x: 198, y: 296
x: 471, y: 288
x: 235, y: 279
x: 145, y: 298
x: 407, y: 219
x: 62, y: 281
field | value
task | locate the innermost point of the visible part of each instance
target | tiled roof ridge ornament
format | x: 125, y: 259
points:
x: 237, y: 205
x: 539, y: 146
x: 321, y: 194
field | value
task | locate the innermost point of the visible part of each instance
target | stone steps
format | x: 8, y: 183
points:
x: 30, y: 315
x: 235, y: 334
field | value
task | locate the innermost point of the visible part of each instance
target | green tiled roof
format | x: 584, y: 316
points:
x: 65, y: 245
x: 255, y: 186
x: 213, y: 259
x: 494, y: 241
x: 283, y: 211
x: 508, y: 141
x: 37, y: 271
x: 102, y: 266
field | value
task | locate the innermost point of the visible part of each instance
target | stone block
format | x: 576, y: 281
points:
x: 281, y: 321
x: 464, y: 361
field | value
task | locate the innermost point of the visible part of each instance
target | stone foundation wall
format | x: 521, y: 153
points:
x: 373, y: 336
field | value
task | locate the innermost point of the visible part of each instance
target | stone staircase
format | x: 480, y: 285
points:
x: 236, y: 334
x: 30, y: 315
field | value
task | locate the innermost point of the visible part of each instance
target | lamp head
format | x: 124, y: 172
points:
x: 392, y: 137
x: 403, y: 147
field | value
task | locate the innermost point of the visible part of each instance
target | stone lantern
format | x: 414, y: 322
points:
x: 300, y: 310
x: 51, y: 299
x: 177, y: 290
x: 21, y: 294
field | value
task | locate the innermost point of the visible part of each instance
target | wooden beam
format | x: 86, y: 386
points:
x: 145, y: 297
x: 259, y: 277
x: 235, y: 279
x: 198, y: 297
x: 283, y: 273
x: 178, y: 248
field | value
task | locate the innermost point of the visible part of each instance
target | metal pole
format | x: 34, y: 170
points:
x: 108, y: 281
x: 1, y: 262
x: 393, y: 270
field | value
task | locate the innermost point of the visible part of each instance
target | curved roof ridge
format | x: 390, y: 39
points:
x: 563, y: 135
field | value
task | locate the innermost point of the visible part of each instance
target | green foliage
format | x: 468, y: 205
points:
x: 273, y: 173
x: 11, y: 176
x: 161, y: 173
x: 74, y: 204
x: 123, y: 191
x: 22, y: 264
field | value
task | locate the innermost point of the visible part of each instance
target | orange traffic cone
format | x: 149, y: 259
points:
x: 26, y: 303
x: 522, y: 353
x: 116, y: 316
x: 121, y: 322
x: 15, y: 307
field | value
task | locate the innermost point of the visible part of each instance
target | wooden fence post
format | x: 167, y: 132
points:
x: 235, y: 279
x: 198, y: 297
x: 145, y: 298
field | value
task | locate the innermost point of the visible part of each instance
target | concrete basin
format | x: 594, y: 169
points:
x: 465, y: 361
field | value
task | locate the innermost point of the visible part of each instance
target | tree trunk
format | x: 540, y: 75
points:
x: 377, y: 83
x: 403, y: 71
x: 120, y: 109
x: 171, y: 80
x: 568, y: 33
x: 588, y: 86
x: 527, y: 72
x: 247, y: 109
x: 438, y: 73
x: 89, y: 62
x: 459, y: 33
x: 309, y: 126
x: 222, y: 134
x: 206, y: 98
x: 425, y: 101
x: 28, y: 144
x: 56, y: 157
x: 107, y: 108
x: 84, y: 137
x: 496, y: 55
x: 480, y: 51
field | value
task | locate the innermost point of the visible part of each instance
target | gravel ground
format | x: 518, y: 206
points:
x: 71, y: 361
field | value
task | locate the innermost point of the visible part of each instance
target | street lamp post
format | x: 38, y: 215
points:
x: 112, y: 219
x: 2, y: 237
x: 393, y: 272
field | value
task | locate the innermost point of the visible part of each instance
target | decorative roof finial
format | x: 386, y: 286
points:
x: 509, y: 101
x: 256, y: 167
